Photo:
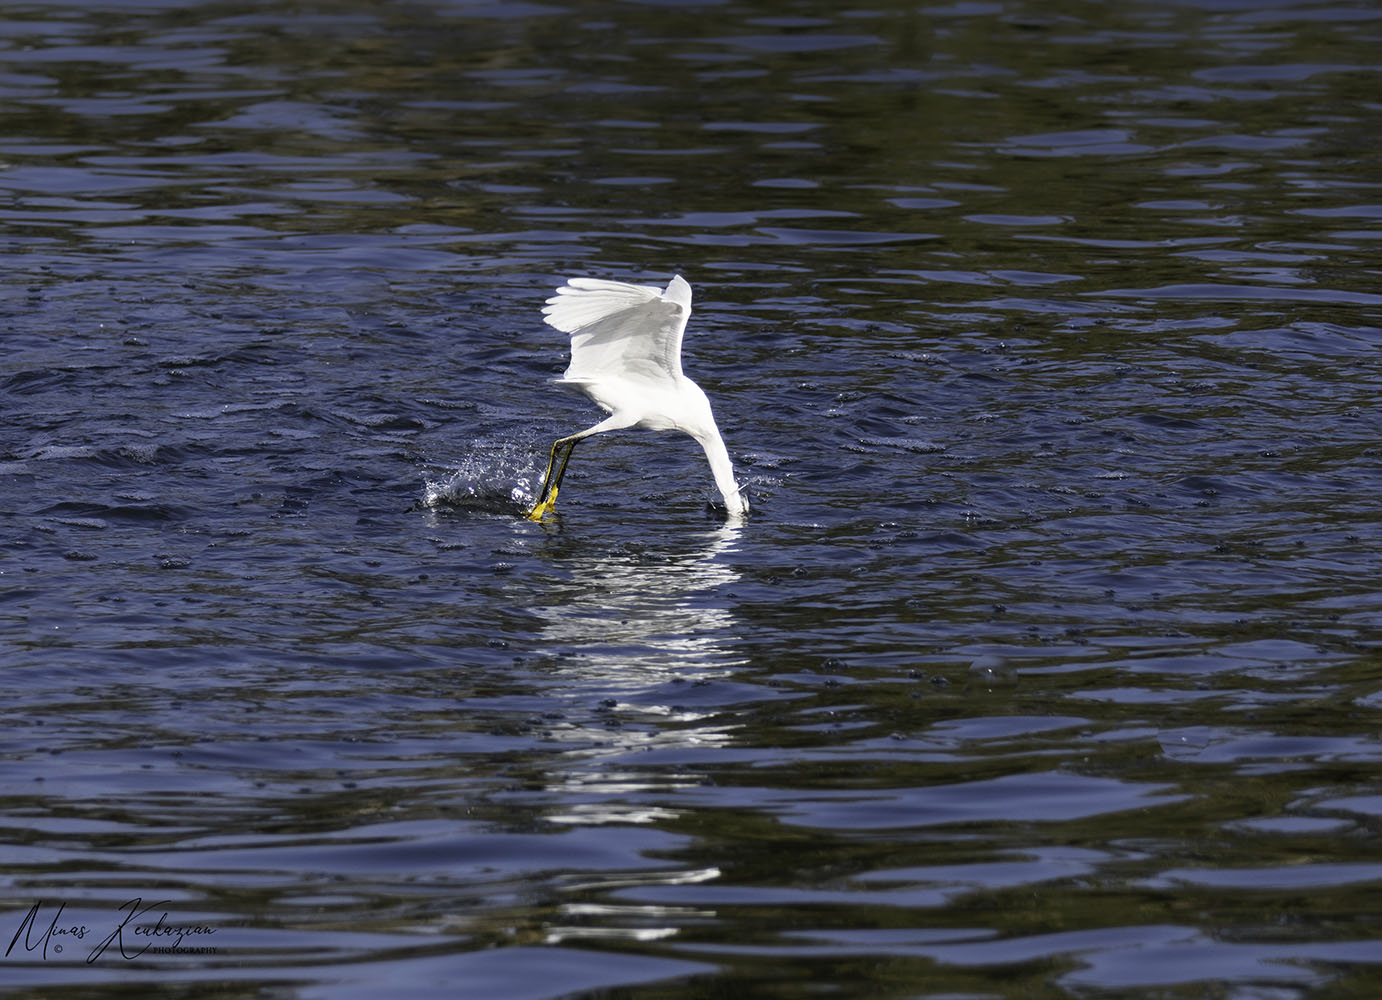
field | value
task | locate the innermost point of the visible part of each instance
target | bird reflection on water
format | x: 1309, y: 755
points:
x: 649, y: 632
x: 642, y: 619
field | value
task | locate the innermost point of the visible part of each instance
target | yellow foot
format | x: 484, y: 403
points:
x: 543, y: 509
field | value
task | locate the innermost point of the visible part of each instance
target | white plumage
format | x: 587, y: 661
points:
x: 619, y: 329
x: 626, y: 356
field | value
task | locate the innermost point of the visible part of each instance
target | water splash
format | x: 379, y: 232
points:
x: 496, y: 478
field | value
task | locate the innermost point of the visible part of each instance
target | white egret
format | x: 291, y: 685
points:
x: 626, y: 356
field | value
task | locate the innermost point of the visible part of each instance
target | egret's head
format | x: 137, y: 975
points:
x: 737, y: 502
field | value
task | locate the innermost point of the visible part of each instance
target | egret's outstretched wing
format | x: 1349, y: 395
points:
x: 621, y: 329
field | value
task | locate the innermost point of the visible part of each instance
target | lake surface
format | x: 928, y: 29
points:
x: 1048, y: 663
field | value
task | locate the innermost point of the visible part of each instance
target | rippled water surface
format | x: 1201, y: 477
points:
x: 1047, y: 664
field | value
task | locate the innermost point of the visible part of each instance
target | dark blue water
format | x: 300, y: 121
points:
x: 1047, y: 663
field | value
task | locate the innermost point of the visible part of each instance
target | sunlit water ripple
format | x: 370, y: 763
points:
x: 1047, y: 663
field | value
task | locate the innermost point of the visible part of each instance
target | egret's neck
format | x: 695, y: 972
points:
x: 723, y: 471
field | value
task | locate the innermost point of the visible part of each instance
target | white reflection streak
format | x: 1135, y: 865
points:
x: 657, y: 921
x: 642, y: 623
x: 559, y: 934
x: 681, y: 876
x: 635, y: 627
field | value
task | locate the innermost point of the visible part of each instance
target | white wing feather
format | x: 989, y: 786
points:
x: 621, y: 330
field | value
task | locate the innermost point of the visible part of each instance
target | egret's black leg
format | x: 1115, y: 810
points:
x: 547, y: 496
x: 562, y: 471
x: 543, y: 506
